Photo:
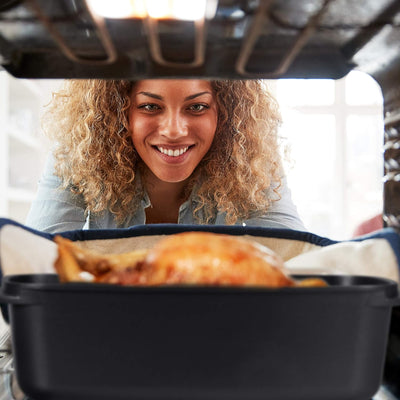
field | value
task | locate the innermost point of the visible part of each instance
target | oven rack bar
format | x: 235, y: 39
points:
x: 254, y: 33
x: 100, y: 30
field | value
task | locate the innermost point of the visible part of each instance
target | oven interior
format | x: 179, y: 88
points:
x: 271, y: 39
x: 234, y: 39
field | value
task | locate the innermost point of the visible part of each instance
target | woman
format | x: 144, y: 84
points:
x: 162, y: 151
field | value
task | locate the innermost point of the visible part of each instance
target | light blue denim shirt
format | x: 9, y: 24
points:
x: 55, y: 210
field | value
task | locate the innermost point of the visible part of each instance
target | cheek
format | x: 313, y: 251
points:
x: 209, y: 130
x: 139, y: 129
x: 214, y: 121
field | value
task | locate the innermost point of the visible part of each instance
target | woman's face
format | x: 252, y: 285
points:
x: 173, y: 124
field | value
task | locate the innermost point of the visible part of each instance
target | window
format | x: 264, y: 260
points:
x: 334, y: 130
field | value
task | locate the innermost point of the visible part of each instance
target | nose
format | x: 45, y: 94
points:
x: 173, y: 125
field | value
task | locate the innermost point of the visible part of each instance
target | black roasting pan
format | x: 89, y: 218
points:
x: 85, y: 341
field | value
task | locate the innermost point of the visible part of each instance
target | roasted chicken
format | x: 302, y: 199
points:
x: 189, y: 258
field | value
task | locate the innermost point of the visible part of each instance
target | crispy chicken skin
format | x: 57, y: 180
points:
x: 214, y: 259
x: 73, y: 260
x: 189, y: 258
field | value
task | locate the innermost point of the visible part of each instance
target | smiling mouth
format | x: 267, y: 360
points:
x: 173, y: 152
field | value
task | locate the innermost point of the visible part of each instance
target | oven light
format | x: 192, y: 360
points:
x: 155, y: 9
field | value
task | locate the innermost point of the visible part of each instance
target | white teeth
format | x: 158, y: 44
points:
x: 173, y: 153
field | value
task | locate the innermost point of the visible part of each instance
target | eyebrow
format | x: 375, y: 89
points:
x: 158, y: 97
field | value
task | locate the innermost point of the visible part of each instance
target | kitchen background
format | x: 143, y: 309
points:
x: 333, y: 131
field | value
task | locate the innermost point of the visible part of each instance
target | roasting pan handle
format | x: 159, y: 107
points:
x: 13, y: 294
x: 11, y: 299
x: 18, y: 289
x: 382, y: 300
x: 5, y: 300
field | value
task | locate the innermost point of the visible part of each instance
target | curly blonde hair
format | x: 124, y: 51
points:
x: 95, y: 156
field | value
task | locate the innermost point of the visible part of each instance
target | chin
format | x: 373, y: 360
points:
x: 172, y: 178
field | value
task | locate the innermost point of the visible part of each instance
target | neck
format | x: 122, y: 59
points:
x: 171, y: 190
x: 165, y: 198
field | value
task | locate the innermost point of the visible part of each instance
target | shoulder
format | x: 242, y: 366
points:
x: 282, y: 212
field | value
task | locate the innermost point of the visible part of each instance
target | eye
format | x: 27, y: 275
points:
x: 198, y: 107
x: 149, y: 107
